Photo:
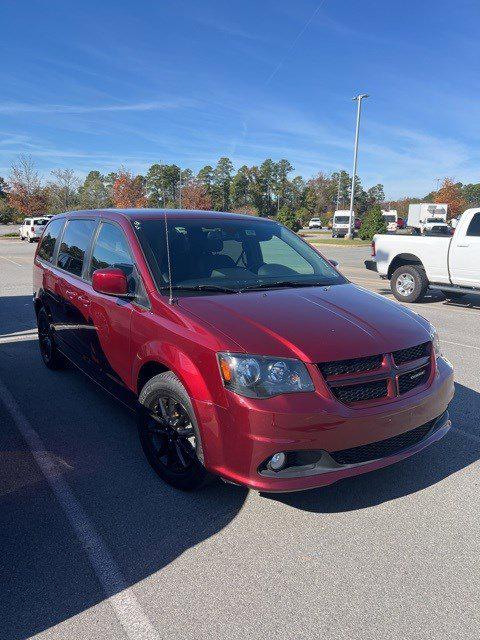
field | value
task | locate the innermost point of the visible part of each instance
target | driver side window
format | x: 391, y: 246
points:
x: 112, y: 250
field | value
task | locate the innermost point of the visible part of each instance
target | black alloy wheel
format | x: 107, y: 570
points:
x: 48, y: 349
x: 169, y: 435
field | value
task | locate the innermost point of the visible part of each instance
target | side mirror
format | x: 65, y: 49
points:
x: 334, y: 263
x: 112, y: 282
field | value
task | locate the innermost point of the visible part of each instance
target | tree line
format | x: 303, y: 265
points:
x: 268, y: 189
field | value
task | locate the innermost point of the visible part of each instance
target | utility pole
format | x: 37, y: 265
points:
x: 338, y: 192
x: 359, y: 99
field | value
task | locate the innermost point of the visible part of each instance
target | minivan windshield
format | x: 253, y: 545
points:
x: 228, y: 256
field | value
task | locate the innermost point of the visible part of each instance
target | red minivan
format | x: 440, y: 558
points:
x: 245, y: 353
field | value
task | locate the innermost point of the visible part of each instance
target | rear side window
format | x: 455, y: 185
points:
x: 75, y: 242
x: 474, y: 226
x: 111, y: 249
x: 47, y: 245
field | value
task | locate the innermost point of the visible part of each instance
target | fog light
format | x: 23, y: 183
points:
x: 277, y: 461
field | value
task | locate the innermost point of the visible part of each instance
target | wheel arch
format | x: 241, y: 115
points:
x: 401, y: 260
x: 158, y: 357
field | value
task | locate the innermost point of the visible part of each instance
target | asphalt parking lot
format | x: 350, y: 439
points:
x: 391, y: 554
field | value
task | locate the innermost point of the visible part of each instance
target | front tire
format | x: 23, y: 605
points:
x: 409, y: 283
x: 51, y: 357
x: 169, y: 434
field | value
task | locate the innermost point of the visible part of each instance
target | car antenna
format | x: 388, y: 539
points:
x: 170, y: 287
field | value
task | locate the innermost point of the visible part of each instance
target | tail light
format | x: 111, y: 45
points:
x: 373, y: 251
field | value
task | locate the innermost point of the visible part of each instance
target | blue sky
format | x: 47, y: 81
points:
x: 102, y: 84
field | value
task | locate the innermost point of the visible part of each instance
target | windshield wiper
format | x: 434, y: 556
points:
x: 281, y: 283
x: 200, y: 287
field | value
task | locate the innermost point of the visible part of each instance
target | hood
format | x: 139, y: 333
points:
x: 315, y: 324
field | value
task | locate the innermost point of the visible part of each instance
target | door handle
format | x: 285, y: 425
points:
x: 463, y: 245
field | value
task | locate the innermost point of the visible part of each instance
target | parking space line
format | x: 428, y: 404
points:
x: 459, y: 344
x: 13, y: 262
x: 130, y: 614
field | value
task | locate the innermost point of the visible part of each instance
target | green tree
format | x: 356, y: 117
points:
x: 287, y: 217
x: 222, y: 178
x: 283, y: 168
x: 303, y: 216
x: 3, y: 189
x: 163, y: 183
x: 239, y: 196
x: 373, y: 223
x: 205, y: 177
x: 471, y: 194
x: 93, y: 192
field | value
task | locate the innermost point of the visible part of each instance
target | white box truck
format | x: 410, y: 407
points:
x: 426, y: 215
x: 341, y: 219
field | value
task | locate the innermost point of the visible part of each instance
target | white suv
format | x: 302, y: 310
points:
x: 32, y: 228
x: 315, y: 223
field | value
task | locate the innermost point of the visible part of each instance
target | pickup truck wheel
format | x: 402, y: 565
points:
x: 169, y: 434
x: 409, y: 283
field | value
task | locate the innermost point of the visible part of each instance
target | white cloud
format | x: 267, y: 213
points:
x: 23, y: 107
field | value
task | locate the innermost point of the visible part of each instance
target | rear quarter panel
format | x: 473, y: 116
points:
x: 432, y: 253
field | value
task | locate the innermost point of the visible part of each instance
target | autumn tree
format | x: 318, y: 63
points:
x: 26, y: 193
x: 196, y: 196
x: 129, y: 191
x: 450, y: 193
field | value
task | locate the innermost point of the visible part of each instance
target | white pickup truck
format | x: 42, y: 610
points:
x: 415, y: 263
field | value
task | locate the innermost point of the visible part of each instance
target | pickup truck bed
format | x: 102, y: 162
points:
x: 415, y: 263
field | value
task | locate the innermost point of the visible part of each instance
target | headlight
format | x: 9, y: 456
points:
x: 435, y: 341
x: 263, y: 376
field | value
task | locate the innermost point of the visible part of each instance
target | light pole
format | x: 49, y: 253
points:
x: 338, y: 191
x: 359, y: 99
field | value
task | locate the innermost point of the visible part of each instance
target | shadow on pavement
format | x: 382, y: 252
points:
x: 457, y: 450
x: 144, y: 524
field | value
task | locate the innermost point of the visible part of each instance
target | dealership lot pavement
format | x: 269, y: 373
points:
x: 94, y: 546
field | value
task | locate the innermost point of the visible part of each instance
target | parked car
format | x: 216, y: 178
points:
x: 415, y: 263
x: 245, y: 353
x: 315, y: 223
x: 32, y: 228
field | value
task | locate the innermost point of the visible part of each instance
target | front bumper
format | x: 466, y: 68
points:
x: 371, y: 265
x: 239, y: 439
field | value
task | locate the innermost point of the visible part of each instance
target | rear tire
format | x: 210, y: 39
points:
x: 169, y: 434
x: 409, y: 283
x: 30, y: 239
x: 51, y: 356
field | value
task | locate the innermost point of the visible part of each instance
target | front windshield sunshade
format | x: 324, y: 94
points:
x: 230, y: 256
